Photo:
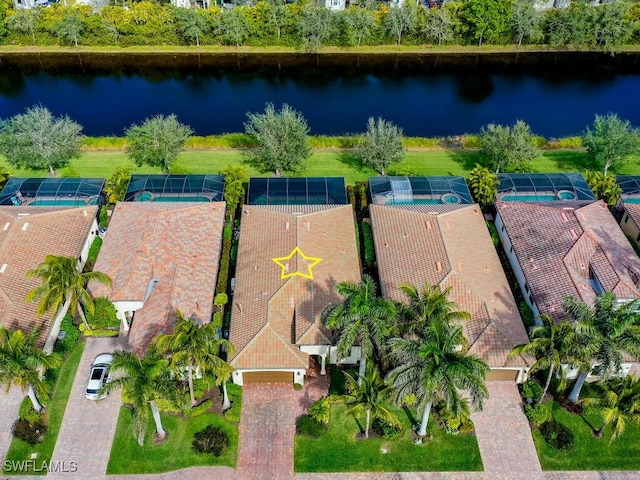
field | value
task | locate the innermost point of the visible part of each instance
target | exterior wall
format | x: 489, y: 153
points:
x: 123, y: 307
x: 630, y: 228
x: 298, y: 374
x: 515, y: 265
x: 335, y: 4
x: 352, y: 359
x: 572, y: 373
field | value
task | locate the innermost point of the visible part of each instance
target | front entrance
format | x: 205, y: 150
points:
x: 267, y: 377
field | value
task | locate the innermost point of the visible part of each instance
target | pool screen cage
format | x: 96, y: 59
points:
x: 53, y: 191
x: 407, y: 190
x: 630, y: 185
x: 181, y: 187
x: 544, y: 185
x: 297, y: 191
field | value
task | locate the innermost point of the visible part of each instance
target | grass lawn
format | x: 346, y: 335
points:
x: 339, y: 451
x: 20, y: 450
x: 128, y: 457
x: 589, y: 452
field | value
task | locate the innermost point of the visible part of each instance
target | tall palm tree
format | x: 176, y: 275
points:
x: 619, y: 400
x: 362, y: 317
x: 143, y: 381
x: 606, y: 332
x: 197, y: 346
x: 434, y: 365
x: 552, y: 344
x: 22, y: 363
x: 62, y: 282
x: 426, y: 305
x: 369, y: 396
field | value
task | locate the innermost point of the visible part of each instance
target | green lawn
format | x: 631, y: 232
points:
x: 127, y: 457
x: 339, y: 451
x: 101, y: 163
x: 589, y: 452
x: 55, y: 409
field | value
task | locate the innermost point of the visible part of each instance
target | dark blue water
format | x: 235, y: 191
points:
x: 437, y: 104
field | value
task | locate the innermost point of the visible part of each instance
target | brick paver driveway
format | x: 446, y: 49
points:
x: 88, y: 426
x: 9, y: 405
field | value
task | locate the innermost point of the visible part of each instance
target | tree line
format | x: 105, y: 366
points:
x: 308, y: 25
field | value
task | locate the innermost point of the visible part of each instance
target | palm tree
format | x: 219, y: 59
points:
x: 369, y: 396
x: 62, y: 282
x: 619, y: 400
x: 22, y: 363
x: 605, y: 332
x: 197, y: 345
x: 429, y: 304
x: 362, y: 317
x: 143, y: 381
x: 433, y: 365
x: 552, y: 344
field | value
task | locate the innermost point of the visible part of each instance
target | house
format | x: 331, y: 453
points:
x: 290, y: 258
x: 448, y: 244
x: 161, y: 257
x: 627, y: 208
x: 335, y: 4
x: 27, y: 236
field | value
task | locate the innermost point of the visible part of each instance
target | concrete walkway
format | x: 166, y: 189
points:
x: 88, y: 427
x: 9, y: 406
x: 503, y: 434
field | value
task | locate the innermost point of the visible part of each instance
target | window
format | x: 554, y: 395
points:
x: 625, y: 218
x: 526, y: 288
x: 594, y: 282
x: 336, y: 3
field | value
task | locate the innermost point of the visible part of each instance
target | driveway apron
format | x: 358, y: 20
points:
x: 9, y: 406
x: 504, y: 436
x: 88, y: 427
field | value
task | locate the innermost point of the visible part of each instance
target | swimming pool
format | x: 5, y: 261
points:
x: 430, y: 200
x: 58, y: 203
x: 633, y: 200
x: 150, y: 197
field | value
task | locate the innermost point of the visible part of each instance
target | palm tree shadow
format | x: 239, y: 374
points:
x: 409, y: 414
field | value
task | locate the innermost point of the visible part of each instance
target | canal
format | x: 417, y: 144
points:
x: 335, y: 99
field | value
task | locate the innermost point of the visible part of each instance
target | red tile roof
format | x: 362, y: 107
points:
x: 556, y: 244
x: 177, y: 244
x: 451, y: 247
x: 272, y: 317
x: 27, y: 236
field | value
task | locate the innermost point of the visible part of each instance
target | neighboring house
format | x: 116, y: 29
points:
x: 335, y: 4
x: 161, y: 257
x: 627, y: 209
x: 290, y: 258
x: 27, y: 236
x: 449, y: 245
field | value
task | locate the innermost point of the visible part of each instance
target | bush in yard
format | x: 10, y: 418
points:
x: 321, y: 410
x: 65, y: 345
x: 538, y: 414
x: 27, y: 412
x: 30, y: 432
x: 557, y: 435
x: 532, y: 390
x: 104, y: 314
x: 104, y: 216
x: 235, y: 396
x: 210, y: 440
x: 369, y: 250
x: 309, y: 426
x: 384, y: 429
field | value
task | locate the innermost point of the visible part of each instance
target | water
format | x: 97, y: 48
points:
x: 334, y: 102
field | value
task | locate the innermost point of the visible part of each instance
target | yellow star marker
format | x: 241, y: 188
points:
x: 310, y: 261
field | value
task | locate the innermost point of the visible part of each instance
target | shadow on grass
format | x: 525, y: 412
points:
x: 351, y: 160
x: 569, y: 160
x: 467, y: 159
x: 409, y: 414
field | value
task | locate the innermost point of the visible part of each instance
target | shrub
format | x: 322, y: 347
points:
x: 538, y: 414
x: 221, y: 299
x: 223, y: 272
x: 369, y: 250
x: 27, y: 412
x: 321, y: 410
x: 98, y: 332
x: 495, y: 238
x: 65, y: 345
x: 297, y: 386
x: 95, y: 249
x: 199, y: 409
x: 309, y: 426
x: 531, y: 389
x: 210, y: 440
x: 104, y: 314
x: 557, y: 435
x: 527, y: 314
x: 235, y: 397
x: 361, y: 189
x: 227, y: 232
x: 103, y: 219
x: 30, y: 432
x: 385, y: 429
x: 351, y: 197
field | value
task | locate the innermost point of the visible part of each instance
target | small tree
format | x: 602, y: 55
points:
x: 381, y: 145
x: 483, y: 185
x: 24, y: 21
x: 36, y: 140
x: 438, y: 25
x: 157, y: 141
x: 400, y: 20
x: 70, y: 27
x: 360, y: 23
x: 508, y: 147
x: 117, y: 184
x: 234, y: 177
x: 526, y: 21
x: 314, y: 26
x: 604, y: 186
x: 234, y: 27
x: 610, y: 141
x: 281, y: 137
x: 192, y: 24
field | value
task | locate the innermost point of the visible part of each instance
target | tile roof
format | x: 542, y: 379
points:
x: 271, y: 316
x: 633, y: 210
x: 451, y: 247
x: 27, y: 236
x: 177, y: 244
x: 557, y: 246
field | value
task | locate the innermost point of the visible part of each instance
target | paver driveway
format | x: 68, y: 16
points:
x: 88, y: 426
x: 9, y: 405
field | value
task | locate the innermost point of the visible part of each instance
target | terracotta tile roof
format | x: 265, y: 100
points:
x: 633, y: 209
x: 272, y: 317
x: 177, y: 244
x: 557, y: 244
x: 27, y: 236
x: 452, y: 248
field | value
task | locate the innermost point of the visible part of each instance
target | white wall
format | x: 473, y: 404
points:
x: 335, y: 4
x: 126, y: 306
x: 352, y: 359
